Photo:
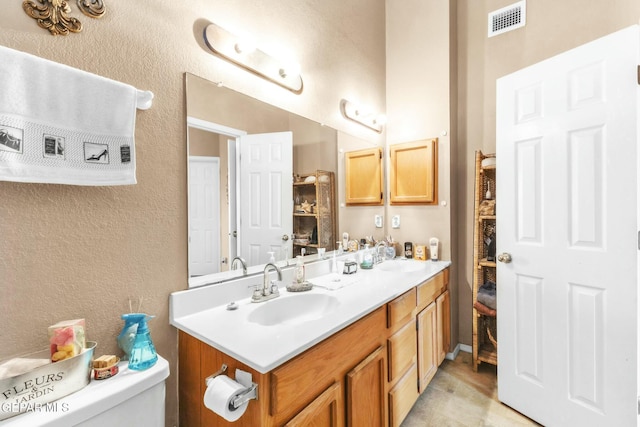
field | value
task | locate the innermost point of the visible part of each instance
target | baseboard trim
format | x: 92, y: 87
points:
x: 458, y: 348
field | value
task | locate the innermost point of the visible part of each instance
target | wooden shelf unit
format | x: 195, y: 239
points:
x: 323, y: 218
x: 484, y: 326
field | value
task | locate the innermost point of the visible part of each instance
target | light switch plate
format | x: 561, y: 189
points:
x: 378, y: 220
x: 395, y: 221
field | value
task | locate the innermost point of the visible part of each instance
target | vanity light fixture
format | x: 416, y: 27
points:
x: 362, y: 115
x: 244, y: 54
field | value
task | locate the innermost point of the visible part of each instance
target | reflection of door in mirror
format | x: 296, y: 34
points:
x: 209, y: 201
x: 261, y: 210
x: 204, y: 215
x: 266, y: 199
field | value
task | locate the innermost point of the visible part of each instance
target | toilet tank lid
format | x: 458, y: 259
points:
x: 95, y: 398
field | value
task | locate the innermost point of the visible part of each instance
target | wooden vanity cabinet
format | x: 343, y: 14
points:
x: 433, y: 324
x: 369, y: 374
x: 310, y: 389
x: 402, y: 349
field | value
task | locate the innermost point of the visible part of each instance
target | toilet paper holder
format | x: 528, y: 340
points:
x: 250, y: 392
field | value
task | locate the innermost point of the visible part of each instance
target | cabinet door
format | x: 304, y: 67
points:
x: 427, y: 345
x: 325, y: 411
x: 443, y: 325
x: 414, y: 172
x: 363, y: 170
x: 366, y: 398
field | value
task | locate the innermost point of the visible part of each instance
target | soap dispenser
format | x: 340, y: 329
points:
x: 143, y: 353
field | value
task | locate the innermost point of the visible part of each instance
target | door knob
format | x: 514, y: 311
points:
x: 504, y: 257
x: 285, y: 237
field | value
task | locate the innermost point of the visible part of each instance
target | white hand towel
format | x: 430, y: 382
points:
x: 62, y: 125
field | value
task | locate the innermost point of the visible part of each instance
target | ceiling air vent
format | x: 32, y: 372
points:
x: 508, y: 18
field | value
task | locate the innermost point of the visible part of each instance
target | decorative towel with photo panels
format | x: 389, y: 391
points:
x: 62, y: 125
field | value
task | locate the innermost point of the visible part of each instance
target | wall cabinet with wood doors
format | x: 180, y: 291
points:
x: 414, y: 172
x: 484, y: 328
x: 364, y: 177
x: 314, y: 213
x: 367, y: 374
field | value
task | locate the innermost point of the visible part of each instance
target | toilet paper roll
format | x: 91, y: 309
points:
x: 220, y: 392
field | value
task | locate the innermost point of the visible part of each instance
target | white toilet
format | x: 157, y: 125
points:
x: 130, y: 398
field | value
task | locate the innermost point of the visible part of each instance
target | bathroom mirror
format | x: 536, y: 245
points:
x: 217, y: 119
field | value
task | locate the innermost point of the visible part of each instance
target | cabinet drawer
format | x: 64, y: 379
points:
x: 401, y: 307
x: 403, y: 396
x: 402, y: 350
x: 432, y: 288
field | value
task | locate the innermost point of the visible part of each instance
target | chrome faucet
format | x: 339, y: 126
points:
x: 242, y: 261
x: 380, y: 257
x: 269, y: 288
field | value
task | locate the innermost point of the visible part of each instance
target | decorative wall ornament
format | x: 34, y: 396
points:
x: 92, y: 8
x: 53, y: 15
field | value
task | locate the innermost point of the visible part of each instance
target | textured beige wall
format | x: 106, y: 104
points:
x: 419, y: 69
x: 552, y: 27
x: 70, y: 251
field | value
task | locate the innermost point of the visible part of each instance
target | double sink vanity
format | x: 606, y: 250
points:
x: 355, y: 350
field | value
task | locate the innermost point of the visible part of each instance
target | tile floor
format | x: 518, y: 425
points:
x: 458, y: 397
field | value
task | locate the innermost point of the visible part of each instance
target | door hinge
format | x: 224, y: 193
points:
x: 638, y: 72
x: 639, y: 240
x: 638, y: 405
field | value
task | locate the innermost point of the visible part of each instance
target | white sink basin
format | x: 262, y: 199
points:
x: 293, y: 309
x: 404, y: 266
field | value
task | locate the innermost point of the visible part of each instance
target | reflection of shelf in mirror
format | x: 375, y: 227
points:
x: 489, y: 167
x: 306, y: 245
x: 484, y: 263
x: 295, y: 184
x: 306, y: 215
x: 488, y: 354
x: 486, y: 217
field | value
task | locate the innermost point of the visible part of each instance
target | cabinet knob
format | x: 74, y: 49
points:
x: 504, y: 257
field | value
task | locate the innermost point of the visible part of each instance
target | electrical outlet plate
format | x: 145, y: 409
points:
x: 378, y: 221
x: 395, y: 221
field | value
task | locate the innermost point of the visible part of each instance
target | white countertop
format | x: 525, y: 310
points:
x: 202, y: 312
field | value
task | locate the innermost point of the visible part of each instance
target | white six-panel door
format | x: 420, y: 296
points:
x: 567, y: 190
x: 204, y: 215
x: 266, y: 198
